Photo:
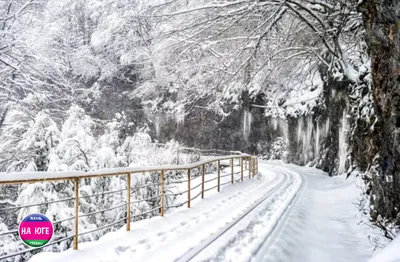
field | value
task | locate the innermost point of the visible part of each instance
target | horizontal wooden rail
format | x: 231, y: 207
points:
x: 202, y: 150
x: 34, y: 177
x: 160, y: 200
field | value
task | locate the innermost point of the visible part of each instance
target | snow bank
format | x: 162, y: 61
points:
x: 390, y: 253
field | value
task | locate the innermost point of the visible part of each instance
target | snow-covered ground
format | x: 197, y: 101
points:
x: 323, y: 225
x: 391, y: 253
x: 287, y: 213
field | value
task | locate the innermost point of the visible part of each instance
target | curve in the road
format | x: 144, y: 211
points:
x: 191, y: 254
x: 263, y: 249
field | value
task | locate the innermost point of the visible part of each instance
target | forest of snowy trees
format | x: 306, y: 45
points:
x: 89, y: 84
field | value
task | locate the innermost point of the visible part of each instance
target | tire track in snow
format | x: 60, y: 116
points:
x: 242, y: 234
x: 322, y: 226
x: 263, y: 249
x: 230, y: 201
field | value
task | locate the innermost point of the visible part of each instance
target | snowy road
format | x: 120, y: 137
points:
x: 288, y: 213
x: 321, y: 225
x: 242, y: 237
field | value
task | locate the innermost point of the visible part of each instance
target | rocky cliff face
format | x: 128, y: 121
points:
x: 382, y: 23
x: 319, y: 138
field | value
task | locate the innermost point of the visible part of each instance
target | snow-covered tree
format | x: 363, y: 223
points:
x: 136, y: 150
x: 28, y: 142
x: 228, y: 47
x: 78, y: 144
x: 9, y: 243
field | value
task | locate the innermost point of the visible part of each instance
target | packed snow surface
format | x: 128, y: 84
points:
x: 286, y: 213
x: 391, y: 253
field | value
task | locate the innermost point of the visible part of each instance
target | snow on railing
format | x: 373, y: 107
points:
x: 37, y: 177
x: 204, y: 152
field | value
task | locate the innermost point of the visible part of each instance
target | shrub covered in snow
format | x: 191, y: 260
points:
x: 39, y: 144
x: 278, y: 149
x: 275, y: 151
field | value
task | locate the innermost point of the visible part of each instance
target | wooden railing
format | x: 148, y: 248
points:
x: 246, y: 163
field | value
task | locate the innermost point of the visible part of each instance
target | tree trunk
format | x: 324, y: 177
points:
x: 382, y: 23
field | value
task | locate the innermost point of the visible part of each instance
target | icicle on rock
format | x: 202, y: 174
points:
x: 300, y: 126
x: 157, y: 125
x: 343, y: 129
x: 307, y: 143
x: 247, y: 118
x: 275, y: 122
x: 316, y: 139
x: 180, y: 116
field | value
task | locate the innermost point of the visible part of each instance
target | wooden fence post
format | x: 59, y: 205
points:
x: 202, y: 182
x: 76, y: 189
x: 254, y: 166
x: 188, y: 172
x: 253, y: 170
x: 162, y: 193
x: 241, y: 169
x: 245, y: 164
x: 219, y: 175
x: 232, y: 163
x: 250, y: 167
x: 257, y: 165
x: 128, y: 209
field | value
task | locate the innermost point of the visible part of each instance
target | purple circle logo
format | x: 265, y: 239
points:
x: 36, y: 230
